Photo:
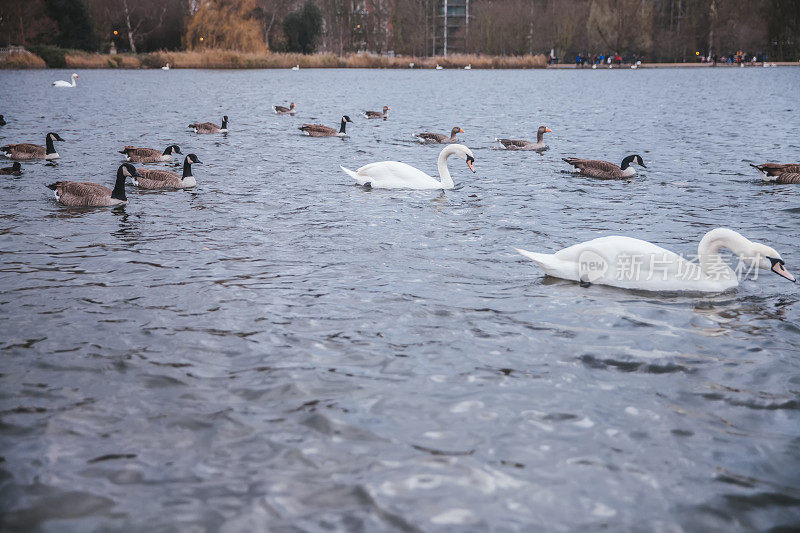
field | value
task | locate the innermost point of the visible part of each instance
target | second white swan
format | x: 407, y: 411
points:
x: 396, y: 175
x: 636, y: 264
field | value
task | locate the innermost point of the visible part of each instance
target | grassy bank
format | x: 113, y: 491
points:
x: 18, y: 58
x: 60, y: 58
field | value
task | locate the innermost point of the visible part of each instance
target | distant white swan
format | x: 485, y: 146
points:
x: 296, y: 67
x: 165, y: 67
x: 468, y: 67
x: 62, y: 83
x: 439, y: 67
x: 395, y: 175
x: 635, y: 264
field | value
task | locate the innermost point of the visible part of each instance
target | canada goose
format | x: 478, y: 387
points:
x: 87, y: 194
x: 24, y: 152
x: 318, y: 130
x: 601, y: 260
x: 156, y: 178
x: 604, y: 169
x: 150, y: 155
x: 428, y: 137
x: 769, y: 170
x: 210, y: 127
x: 2, y: 121
x: 61, y: 83
x: 15, y: 169
x: 510, y: 144
x: 378, y: 114
x: 282, y: 110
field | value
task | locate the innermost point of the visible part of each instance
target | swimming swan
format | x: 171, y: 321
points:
x: 395, y: 175
x: 62, y: 83
x: 635, y: 264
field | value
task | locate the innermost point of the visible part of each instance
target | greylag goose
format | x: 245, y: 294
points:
x: 14, y: 170
x: 210, y: 127
x: 150, y: 155
x: 510, y: 144
x: 318, y: 130
x: 156, y: 178
x: 378, y: 114
x: 428, y: 137
x: 24, y: 152
x: 282, y: 110
x: 604, y: 169
x: 87, y: 194
x: 775, y: 169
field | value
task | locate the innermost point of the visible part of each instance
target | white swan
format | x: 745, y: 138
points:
x: 439, y: 67
x: 468, y: 67
x: 165, y: 67
x: 394, y: 175
x: 62, y: 83
x: 635, y: 264
x: 296, y: 67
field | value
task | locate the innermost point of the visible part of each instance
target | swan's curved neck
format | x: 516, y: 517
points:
x: 711, y: 244
x: 444, y: 173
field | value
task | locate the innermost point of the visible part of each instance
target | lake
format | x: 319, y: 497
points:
x: 280, y: 349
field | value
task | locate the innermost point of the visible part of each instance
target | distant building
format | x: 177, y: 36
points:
x: 452, y: 27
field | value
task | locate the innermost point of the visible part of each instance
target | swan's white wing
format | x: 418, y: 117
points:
x: 61, y: 83
x: 395, y: 175
x: 632, y: 264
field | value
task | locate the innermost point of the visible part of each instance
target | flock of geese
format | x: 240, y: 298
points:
x: 597, y: 261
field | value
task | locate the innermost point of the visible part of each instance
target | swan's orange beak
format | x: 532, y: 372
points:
x: 471, y: 164
x: 548, y: 130
x: 780, y: 270
x: 77, y: 77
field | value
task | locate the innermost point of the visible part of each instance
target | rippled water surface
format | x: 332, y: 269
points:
x: 279, y: 349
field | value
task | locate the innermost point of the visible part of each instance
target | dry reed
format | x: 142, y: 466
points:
x: 20, y: 58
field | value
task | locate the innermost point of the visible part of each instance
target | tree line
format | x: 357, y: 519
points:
x: 659, y: 30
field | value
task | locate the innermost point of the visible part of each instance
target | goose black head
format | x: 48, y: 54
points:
x: 225, y: 118
x: 54, y: 136
x: 16, y: 167
x: 174, y: 149
x: 192, y: 159
x: 346, y: 118
x: 129, y: 170
x: 631, y: 159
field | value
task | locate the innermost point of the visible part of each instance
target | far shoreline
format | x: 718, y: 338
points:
x: 15, y: 57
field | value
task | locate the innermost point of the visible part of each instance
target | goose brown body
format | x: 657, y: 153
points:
x: 27, y: 151
x: 788, y: 177
x: 149, y: 155
x: 378, y: 114
x: 440, y: 138
x: 319, y: 130
x: 83, y: 194
x: 210, y: 127
x: 158, y: 178
x: 594, y: 168
x: 15, y: 169
x: 88, y: 194
x: 775, y: 169
x: 511, y: 144
x: 283, y: 110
